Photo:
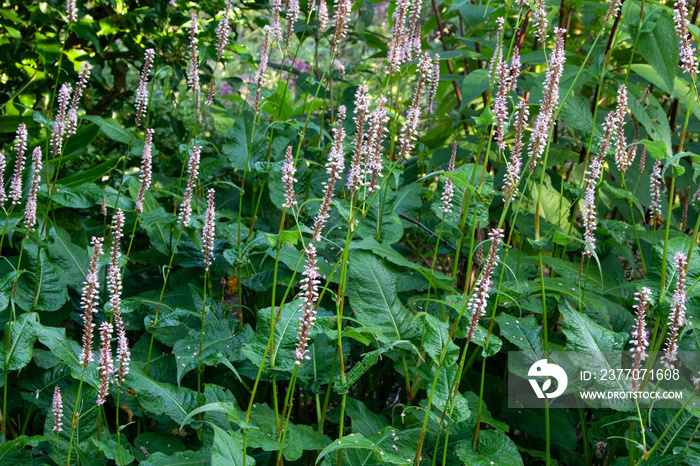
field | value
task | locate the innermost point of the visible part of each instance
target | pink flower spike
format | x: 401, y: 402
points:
x: 57, y: 410
x: 208, y: 232
x: 146, y: 170
x: 20, y: 149
x: 30, y: 208
x: 105, y: 362
x: 193, y: 170
x: 88, y: 300
x: 288, y: 171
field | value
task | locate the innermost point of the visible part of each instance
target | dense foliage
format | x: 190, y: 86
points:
x: 266, y: 233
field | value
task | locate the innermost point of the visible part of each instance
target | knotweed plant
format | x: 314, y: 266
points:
x: 275, y: 223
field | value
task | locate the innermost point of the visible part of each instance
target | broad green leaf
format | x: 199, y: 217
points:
x: 10, y: 448
x: 372, y: 292
x: 110, y: 447
x: 230, y: 409
x: 359, y: 441
x: 68, y: 257
x: 180, y: 458
x: 576, y: 113
x: 436, y: 339
x: 111, y: 128
x: 17, y: 353
x: 364, y: 420
x: 227, y: 449
x: 222, y: 343
x: 354, y: 374
x: 68, y: 351
x: 161, y: 398
x: 47, y: 279
x: 582, y: 334
x: 524, y: 332
x: 494, y: 448
x: 659, y: 47
x: 438, y: 279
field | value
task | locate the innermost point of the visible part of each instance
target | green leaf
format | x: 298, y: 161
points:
x: 9, y: 449
x: 372, y: 293
x: 110, y: 448
x: 437, y: 338
x: 659, y: 47
x: 161, y: 398
x: 180, y: 458
x: 524, y: 333
x: 230, y: 409
x: 68, y: 257
x: 494, y: 448
x: 576, y: 113
x: 47, y: 278
x: 353, y: 375
x: 68, y: 351
x: 222, y: 343
x: 364, y: 420
x: 438, y: 279
x: 17, y: 353
x: 111, y: 128
x: 227, y: 449
x: 359, y: 441
x: 582, y: 334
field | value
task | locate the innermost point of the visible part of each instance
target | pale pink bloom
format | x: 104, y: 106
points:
x: 193, y: 75
x: 88, y: 300
x: 355, y: 174
x: 72, y: 115
x: 105, y: 363
x: 515, y: 164
x: 114, y: 287
x: 623, y: 158
x: 412, y: 47
x: 689, y: 61
x: 322, y: 15
x: 372, y: 146
x: 396, y: 50
x: 640, y: 334
x: 449, y: 189
x: 288, y: 171
x: 59, y: 127
x: 20, y: 149
x: 497, y: 57
x: 342, y: 13
x: 292, y: 17
x: 696, y: 196
x: 613, y: 11
x: 193, y: 170
x: 676, y: 318
x: 141, y: 101
x: 260, y: 75
x: 309, y: 296
x: 483, y: 286
x: 507, y: 81
x: 3, y: 164
x: 71, y: 11
x: 434, y: 82
x: 540, y: 16
x: 223, y: 29
x: 410, y: 129
x: 146, y: 170
x: 30, y: 208
x: 334, y: 168
x: 57, y: 410
x: 544, y: 121
x: 276, y: 28
x: 209, y: 230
